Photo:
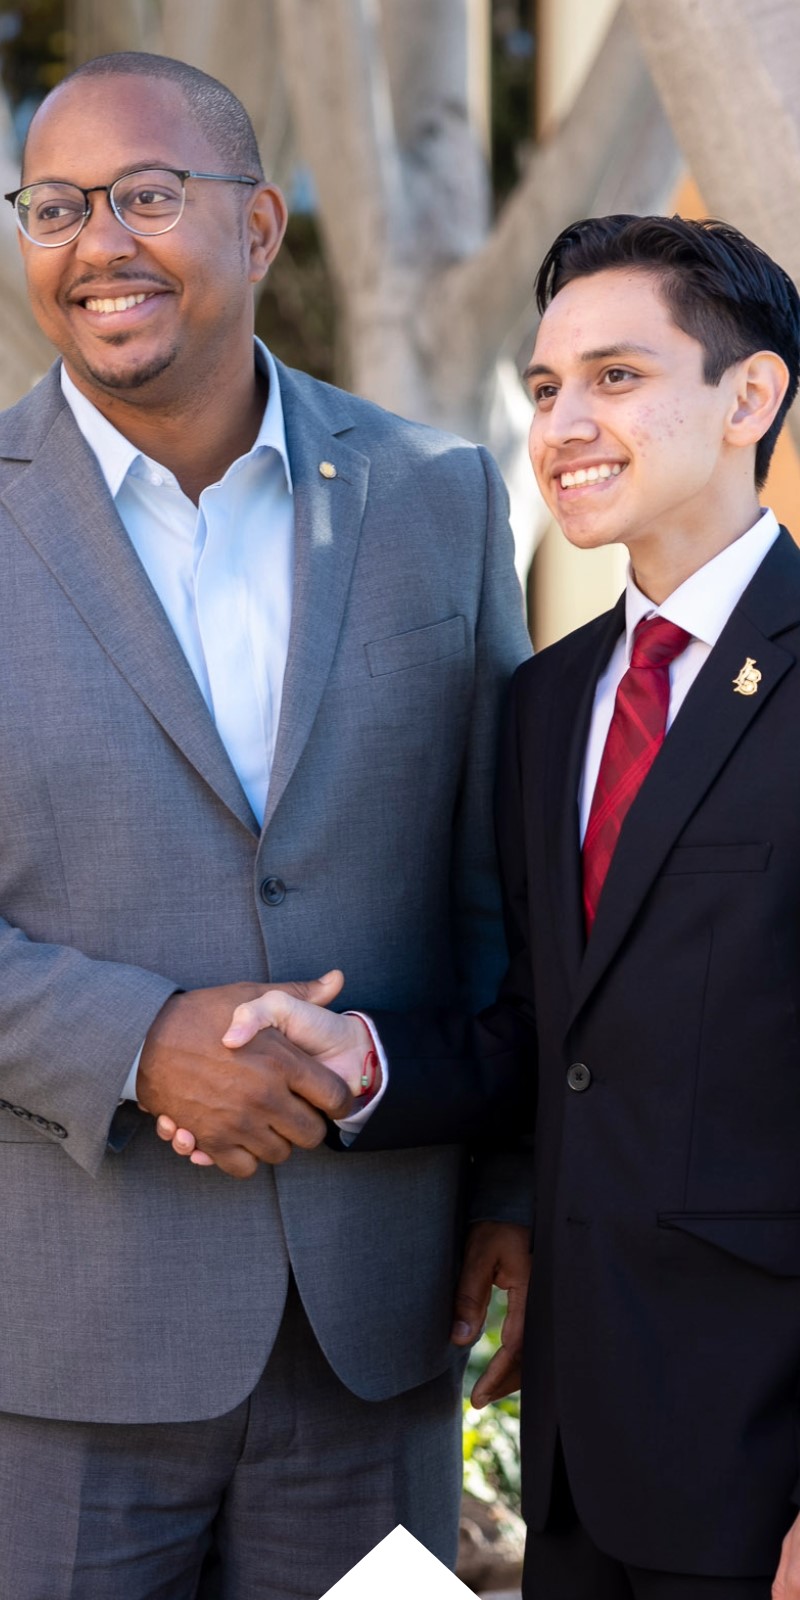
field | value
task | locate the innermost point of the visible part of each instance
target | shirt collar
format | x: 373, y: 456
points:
x: 116, y: 455
x: 703, y: 604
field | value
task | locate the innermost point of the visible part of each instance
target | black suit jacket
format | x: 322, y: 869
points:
x: 663, y: 1336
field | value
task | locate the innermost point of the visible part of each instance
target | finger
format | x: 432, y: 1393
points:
x: 472, y: 1300
x: 298, y: 1117
x: 513, y: 1330
x: 166, y: 1128
x: 199, y: 1158
x: 184, y: 1142
x: 317, y: 1086
x: 237, y: 1162
x: 502, y: 1377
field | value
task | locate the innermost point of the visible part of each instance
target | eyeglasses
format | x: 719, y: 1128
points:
x: 146, y: 202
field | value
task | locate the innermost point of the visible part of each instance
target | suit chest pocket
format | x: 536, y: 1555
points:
x: 709, y: 858
x: 420, y: 647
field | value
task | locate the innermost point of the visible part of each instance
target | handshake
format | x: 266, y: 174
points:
x: 240, y: 1074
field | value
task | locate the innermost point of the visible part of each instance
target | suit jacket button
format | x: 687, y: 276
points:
x: 579, y: 1077
x: 272, y: 891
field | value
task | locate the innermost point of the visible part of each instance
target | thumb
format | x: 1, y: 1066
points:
x: 316, y: 991
x: 268, y: 1011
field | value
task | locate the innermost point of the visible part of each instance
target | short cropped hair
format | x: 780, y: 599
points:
x: 214, y: 108
x: 719, y: 287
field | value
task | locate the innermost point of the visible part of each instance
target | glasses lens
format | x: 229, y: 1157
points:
x: 51, y: 213
x: 148, y: 202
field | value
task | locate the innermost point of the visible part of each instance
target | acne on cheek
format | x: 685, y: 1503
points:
x: 663, y: 423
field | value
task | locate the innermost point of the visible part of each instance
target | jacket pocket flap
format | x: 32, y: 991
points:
x: 418, y: 648
x: 718, y: 858
x: 766, y: 1239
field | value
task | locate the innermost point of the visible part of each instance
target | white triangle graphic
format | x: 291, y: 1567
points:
x: 396, y: 1569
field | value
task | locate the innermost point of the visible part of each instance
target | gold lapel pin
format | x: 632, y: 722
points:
x: 327, y: 469
x: 747, y: 679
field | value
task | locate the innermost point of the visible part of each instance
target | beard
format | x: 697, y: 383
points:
x: 129, y: 378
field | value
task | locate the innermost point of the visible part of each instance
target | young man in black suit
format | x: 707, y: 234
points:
x: 648, y: 818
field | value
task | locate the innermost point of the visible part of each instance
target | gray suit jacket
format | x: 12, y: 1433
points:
x: 136, y: 1287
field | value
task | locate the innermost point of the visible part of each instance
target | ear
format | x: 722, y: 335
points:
x: 266, y: 224
x: 760, y: 383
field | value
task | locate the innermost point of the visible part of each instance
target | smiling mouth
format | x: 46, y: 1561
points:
x: 584, y: 475
x: 106, y: 306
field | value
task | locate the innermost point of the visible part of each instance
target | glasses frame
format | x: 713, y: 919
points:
x: 108, y: 190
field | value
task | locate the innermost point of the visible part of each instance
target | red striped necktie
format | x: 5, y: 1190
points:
x: 635, y: 737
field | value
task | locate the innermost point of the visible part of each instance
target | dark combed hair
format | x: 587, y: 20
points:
x: 216, y: 109
x: 719, y: 287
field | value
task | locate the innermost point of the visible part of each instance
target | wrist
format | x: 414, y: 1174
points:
x: 369, y: 1078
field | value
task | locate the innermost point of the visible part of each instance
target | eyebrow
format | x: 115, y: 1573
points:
x: 609, y: 352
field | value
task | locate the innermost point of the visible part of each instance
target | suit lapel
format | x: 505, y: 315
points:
x: 570, y: 716
x: 61, y: 504
x: 328, y: 512
x: 709, y: 726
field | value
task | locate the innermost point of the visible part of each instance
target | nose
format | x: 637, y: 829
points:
x: 568, y: 417
x: 103, y: 238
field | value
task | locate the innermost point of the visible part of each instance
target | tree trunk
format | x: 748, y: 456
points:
x: 26, y: 354
x: 430, y: 292
x: 727, y: 72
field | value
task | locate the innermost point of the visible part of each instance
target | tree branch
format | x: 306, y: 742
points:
x: 97, y: 28
x: 26, y: 354
x: 440, y: 115
x: 211, y: 36
x: 592, y: 163
x: 341, y: 105
x: 727, y: 73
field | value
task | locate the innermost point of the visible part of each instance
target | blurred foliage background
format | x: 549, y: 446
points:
x: 491, y: 1436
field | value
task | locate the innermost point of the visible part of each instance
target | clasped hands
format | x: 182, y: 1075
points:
x: 240, y: 1074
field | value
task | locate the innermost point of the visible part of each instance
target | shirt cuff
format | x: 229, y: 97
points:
x: 129, y: 1086
x: 350, y: 1126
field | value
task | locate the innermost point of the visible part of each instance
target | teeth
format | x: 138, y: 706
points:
x: 572, y: 480
x: 124, y: 303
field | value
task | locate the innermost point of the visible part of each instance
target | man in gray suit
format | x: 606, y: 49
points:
x: 254, y: 633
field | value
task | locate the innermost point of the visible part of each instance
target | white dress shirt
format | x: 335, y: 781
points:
x: 223, y: 571
x: 702, y: 606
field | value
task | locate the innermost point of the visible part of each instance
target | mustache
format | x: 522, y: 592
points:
x: 88, y: 280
